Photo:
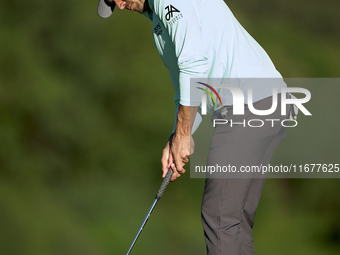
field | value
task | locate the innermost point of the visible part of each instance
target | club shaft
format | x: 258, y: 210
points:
x: 142, y: 226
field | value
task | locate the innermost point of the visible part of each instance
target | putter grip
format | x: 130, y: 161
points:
x: 164, y: 184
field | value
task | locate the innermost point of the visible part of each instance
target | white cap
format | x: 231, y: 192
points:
x: 105, y: 8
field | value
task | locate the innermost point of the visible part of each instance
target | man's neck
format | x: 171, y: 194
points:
x: 147, y: 7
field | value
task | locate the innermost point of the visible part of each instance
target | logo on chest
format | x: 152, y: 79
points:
x: 172, y: 14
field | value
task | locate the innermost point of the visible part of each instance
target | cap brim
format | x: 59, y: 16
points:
x: 105, y: 8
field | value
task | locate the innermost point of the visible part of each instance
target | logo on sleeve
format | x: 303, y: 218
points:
x: 173, y: 14
x: 158, y: 30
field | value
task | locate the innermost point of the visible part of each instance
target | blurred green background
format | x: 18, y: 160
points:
x: 83, y: 125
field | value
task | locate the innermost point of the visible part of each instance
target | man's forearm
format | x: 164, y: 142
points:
x: 185, y: 120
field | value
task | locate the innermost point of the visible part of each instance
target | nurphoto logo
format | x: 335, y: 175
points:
x: 239, y: 102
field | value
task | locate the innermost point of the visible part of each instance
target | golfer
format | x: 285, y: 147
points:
x: 203, y: 39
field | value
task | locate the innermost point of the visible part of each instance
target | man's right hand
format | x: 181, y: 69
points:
x: 168, y: 161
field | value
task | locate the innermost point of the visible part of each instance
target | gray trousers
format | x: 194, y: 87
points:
x: 229, y: 204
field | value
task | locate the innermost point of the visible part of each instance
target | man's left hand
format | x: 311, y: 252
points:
x: 182, y: 147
